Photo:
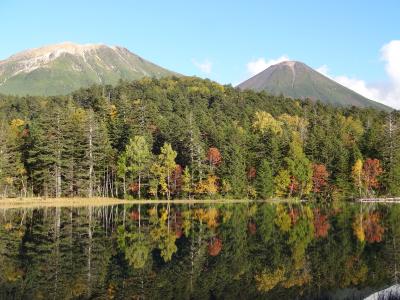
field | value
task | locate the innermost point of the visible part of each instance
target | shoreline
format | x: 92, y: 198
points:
x: 379, y: 200
x: 36, y: 202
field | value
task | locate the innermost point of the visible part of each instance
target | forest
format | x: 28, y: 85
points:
x: 180, y: 138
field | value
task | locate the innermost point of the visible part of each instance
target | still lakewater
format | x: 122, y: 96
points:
x: 221, y: 251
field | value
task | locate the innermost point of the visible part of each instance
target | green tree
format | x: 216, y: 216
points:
x: 265, y: 180
x: 391, y: 153
x: 12, y: 170
x: 282, y: 182
x: 164, y: 167
x: 137, y: 156
x: 299, y: 167
x: 187, y: 181
x: 46, y: 147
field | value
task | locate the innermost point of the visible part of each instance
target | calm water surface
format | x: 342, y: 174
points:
x: 234, y: 251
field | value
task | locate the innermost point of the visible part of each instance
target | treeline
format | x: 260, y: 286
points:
x: 187, y: 137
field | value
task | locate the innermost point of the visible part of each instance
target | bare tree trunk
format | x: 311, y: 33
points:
x: 90, y: 157
x: 168, y: 186
x: 124, y: 186
x: 139, y: 218
x: 89, y: 275
x: 58, y: 164
x: 139, y: 187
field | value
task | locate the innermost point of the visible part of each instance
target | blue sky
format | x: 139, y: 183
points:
x: 224, y: 40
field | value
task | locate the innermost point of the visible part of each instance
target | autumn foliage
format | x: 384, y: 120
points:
x: 207, y: 186
x: 319, y: 178
x: 294, y: 215
x: 366, y: 175
x: 251, y: 173
x: 135, y: 215
x: 214, y: 157
x: 134, y: 187
x: 370, y: 172
x: 321, y: 224
x: 373, y: 229
x: 214, y: 246
x: 177, y: 224
x: 367, y: 227
x: 177, y: 179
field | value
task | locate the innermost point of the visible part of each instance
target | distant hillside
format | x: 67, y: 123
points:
x: 297, y: 80
x: 63, y: 68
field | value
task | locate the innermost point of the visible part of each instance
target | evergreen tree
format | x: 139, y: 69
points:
x: 45, y: 155
x: 13, y: 181
x: 264, y: 180
x: 391, y: 153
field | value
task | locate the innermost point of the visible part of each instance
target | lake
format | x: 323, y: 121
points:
x: 199, y: 251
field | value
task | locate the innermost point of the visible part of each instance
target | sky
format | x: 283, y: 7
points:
x: 356, y: 43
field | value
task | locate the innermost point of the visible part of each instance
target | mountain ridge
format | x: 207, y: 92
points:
x: 295, y: 79
x: 63, y: 68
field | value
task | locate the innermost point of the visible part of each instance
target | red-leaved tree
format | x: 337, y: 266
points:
x: 373, y: 228
x: 370, y: 173
x: 251, y: 173
x: 177, y: 179
x: 319, y: 178
x: 214, y: 157
x: 321, y: 224
x: 214, y: 246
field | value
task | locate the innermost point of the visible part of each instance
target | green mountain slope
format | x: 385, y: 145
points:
x: 63, y: 68
x: 297, y: 80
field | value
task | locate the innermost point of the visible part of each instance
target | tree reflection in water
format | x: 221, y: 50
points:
x: 221, y: 251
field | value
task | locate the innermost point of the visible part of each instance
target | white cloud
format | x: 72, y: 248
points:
x: 391, y: 55
x: 324, y: 70
x: 359, y: 86
x: 260, y: 64
x: 355, y: 84
x: 388, y: 94
x: 204, y: 66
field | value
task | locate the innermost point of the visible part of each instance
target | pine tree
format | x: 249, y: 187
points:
x: 13, y: 181
x: 391, y: 153
x: 99, y: 155
x: 45, y: 154
x: 233, y: 168
x: 194, y: 153
x: 76, y: 163
x: 265, y: 180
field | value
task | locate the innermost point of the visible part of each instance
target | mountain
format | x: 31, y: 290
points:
x: 63, y: 68
x: 297, y: 80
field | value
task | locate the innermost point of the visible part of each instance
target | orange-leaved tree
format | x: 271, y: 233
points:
x: 214, y: 157
x: 371, y: 171
x: 319, y: 178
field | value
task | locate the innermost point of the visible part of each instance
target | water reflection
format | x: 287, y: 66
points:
x: 248, y: 251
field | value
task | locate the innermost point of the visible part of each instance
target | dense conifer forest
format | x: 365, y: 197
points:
x: 176, y: 138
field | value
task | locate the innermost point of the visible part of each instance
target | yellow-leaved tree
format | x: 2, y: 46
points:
x: 264, y: 121
x: 356, y: 173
